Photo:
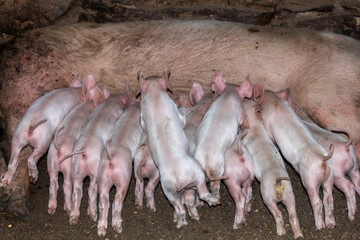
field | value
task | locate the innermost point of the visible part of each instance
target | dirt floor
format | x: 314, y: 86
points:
x: 214, y: 223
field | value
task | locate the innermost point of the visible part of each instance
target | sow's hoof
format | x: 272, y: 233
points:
x: 13, y: 202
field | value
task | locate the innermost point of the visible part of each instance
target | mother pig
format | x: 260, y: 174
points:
x: 321, y: 69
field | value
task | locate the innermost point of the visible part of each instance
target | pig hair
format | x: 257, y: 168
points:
x: 71, y: 154
x: 55, y: 135
x: 33, y: 127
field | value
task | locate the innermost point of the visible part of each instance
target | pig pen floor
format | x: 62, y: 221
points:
x: 215, y: 222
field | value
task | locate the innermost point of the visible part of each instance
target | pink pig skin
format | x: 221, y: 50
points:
x: 344, y: 160
x: 116, y: 166
x: 200, y: 104
x: 345, y: 164
x: 301, y: 150
x: 88, y: 148
x: 269, y: 169
x: 161, y: 120
x: 218, y: 129
x: 144, y: 167
x: 240, y: 171
x: 64, y: 141
x: 38, y: 125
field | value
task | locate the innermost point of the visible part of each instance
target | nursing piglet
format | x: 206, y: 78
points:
x: 161, y: 120
x: 301, y: 150
x: 145, y: 168
x: 116, y: 166
x: 219, y: 127
x: 64, y: 141
x: 269, y: 169
x: 344, y: 162
x: 38, y: 125
x: 200, y: 104
x: 88, y: 148
x: 240, y: 171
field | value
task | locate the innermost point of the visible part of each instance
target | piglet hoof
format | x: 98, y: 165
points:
x: 117, y: 226
x: 101, y: 231
x: 67, y: 210
x: 181, y: 223
x: 33, y: 176
x: 330, y: 225
x: 236, y: 226
x: 298, y: 235
x: 151, y: 206
x: 51, y: 210
x: 73, y: 220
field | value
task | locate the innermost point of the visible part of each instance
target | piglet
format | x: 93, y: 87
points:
x: 116, y: 166
x: 301, y: 150
x: 161, y: 120
x: 87, y: 150
x: 200, y: 103
x: 269, y: 169
x: 145, y: 168
x: 344, y: 162
x: 240, y: 171
x: 63, y: 143
x: 38, y: 125
x: 219, y: 127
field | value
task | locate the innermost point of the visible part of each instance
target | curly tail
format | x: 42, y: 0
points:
x: 55, y: 135
x: 33, y: 127
x: 71, y: 154
x: 331, y: 151
x: 344, y: 131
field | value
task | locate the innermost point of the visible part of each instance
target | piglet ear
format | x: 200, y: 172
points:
x: 164, y: 80
x: 285, y: 94
x: 142, y: 84
x: 88, y: 87
x: 259, y: 93
x: 105, y: 92
x: 196, y: 93
x: 245, y: 89
x: 76, y: 82
x: 218, y: 83
x: 98, y: 96
x: 127, y: 94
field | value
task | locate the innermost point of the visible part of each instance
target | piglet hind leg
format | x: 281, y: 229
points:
x: 67, y: 186
x: 180, y: 213
x: 93, y: 192
x: 53, y: 189
x: 289, y: 203
x: 13, y: 164
x: 117, y: 207
x: 32, y: 162
x: 190, y: 203
x: 205, y: 195
x: 328, y: 202
x: 274, y: 210
x: 104, y: 204
x: 149, y: 192
x: 139, y: 192
x: 316, y: 204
